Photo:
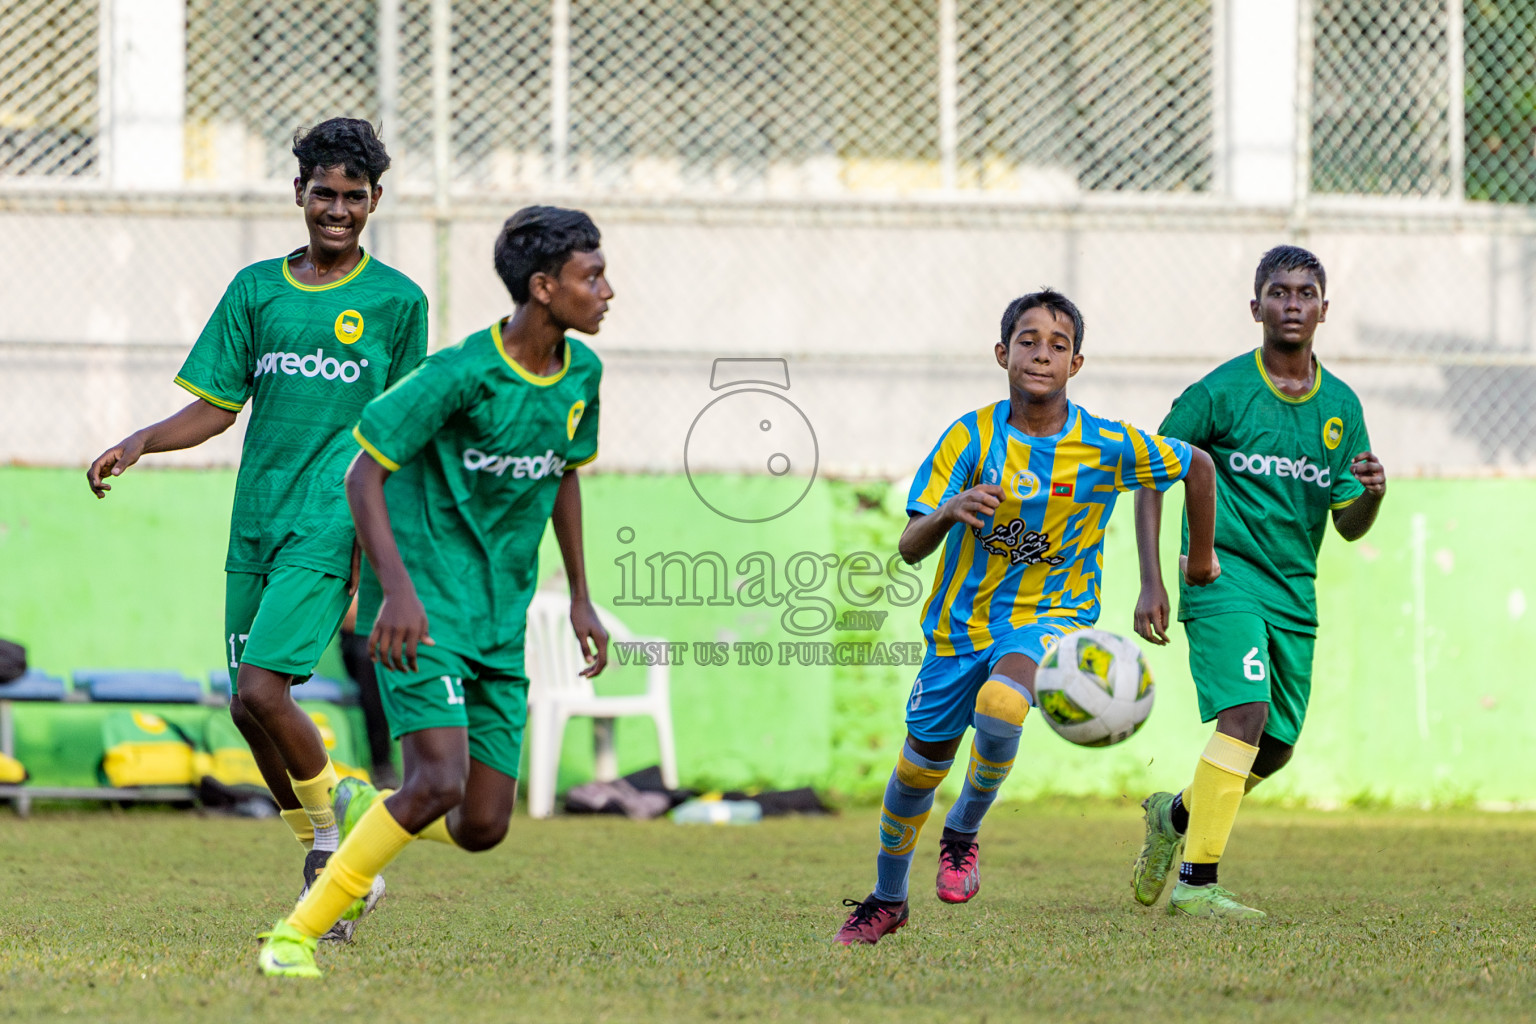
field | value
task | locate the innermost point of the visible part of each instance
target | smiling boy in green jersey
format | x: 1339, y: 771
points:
x: 480, y: 448
x: 308, y: 339
x: 1290, y: 445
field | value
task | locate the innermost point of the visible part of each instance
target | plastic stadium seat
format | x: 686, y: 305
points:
x: 139, y: 686
x: 321, y: 688
x: 34, y: 685
x: 558, y: 692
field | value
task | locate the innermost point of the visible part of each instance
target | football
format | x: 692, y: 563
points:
x: 1094, y: 688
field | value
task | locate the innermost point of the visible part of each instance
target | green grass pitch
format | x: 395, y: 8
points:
x: 149, y: 916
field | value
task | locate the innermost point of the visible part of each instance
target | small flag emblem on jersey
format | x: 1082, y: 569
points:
x: 1060, y: 490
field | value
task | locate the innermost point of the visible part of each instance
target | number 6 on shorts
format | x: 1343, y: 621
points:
x: 1253, y: 668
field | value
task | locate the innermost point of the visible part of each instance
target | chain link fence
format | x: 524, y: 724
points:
x: 855, y: 187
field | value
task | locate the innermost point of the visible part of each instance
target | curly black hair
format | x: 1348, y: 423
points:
x: 538, y: 240
x: 1050, y: 299
x: 346, y: 142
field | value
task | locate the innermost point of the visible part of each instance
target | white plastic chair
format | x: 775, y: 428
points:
x: 558, y: 692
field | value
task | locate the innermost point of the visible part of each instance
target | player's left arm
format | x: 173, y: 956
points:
x: 566, y: 519
x: 394, y: 428
x: 1201, y: 566
x: 1355, y: 519
x: 1155, y: 463
x: 410, y: 342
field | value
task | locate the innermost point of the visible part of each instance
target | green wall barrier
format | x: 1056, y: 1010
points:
x: 1402, y: 711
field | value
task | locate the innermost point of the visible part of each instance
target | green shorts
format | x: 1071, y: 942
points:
x: 1238, y: 658
x: 282, y: 621
x: 449, y: 690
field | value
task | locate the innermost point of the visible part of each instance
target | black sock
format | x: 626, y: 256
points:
x: 1179, y: 815
x: 953, y: 835
x: 1197, y: 874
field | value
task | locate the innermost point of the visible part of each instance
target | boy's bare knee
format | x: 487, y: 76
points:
x: 261, y: 697
x: 478, y: 836
x: 239, y: 715
x: 444, y: 793
x: 430, y: 793
x: 1244, y: 721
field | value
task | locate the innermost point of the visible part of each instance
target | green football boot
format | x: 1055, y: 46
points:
x: 351, y: 799
x: 1209, y: 901
x: 1159, y: 850
x: 287, y: 953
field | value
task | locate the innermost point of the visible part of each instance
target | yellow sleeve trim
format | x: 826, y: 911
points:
x: 1335, y: 506
x: 378, y: 456
x: 583, y: 462
x: 222, y: 403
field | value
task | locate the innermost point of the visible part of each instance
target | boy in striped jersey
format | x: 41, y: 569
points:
x: 1019, y: 494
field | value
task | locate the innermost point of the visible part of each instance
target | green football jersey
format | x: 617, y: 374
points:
x: 477, y: 446
x: 1282, y: 464
x: 308, y: 358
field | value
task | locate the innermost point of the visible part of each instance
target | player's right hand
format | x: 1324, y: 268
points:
x: 969, y: 506
x: 400, y: 627
x: 1200, y: 576
x: 1151, y: 617
x: 112, y: 462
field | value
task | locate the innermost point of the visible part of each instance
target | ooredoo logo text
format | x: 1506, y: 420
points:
x: 523, y: 467
x: 313, y: 364
x: 1300, y: 468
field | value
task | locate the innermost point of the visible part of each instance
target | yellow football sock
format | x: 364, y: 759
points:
x: 1253, y: 780
x: 438, y: 832
x: 1214, y: 797
x: 315, y: 795
x: 375, y: 841
x: 298, y: 820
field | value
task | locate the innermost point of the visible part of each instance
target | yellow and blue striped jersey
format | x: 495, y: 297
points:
x: 1041, y: 554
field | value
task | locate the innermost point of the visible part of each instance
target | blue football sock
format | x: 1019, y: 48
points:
x: 908, y: 799
x: 999, y: 721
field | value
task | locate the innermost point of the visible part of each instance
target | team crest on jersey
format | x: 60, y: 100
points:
x: 1018, y: 545
x: 349, y: 326
x: 573, y: 418
x: 1333, y: 433
x: 1025, y: 485
x: 153, y: 724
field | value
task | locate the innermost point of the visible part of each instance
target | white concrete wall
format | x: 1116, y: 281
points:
x: 888, y: 331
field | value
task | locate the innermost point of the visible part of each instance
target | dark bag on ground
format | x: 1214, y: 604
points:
x: 784, y: 801
x: 13, y: 661
x: 642, y: 794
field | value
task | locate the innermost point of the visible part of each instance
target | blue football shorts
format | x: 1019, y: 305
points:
x: 943, y: 698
